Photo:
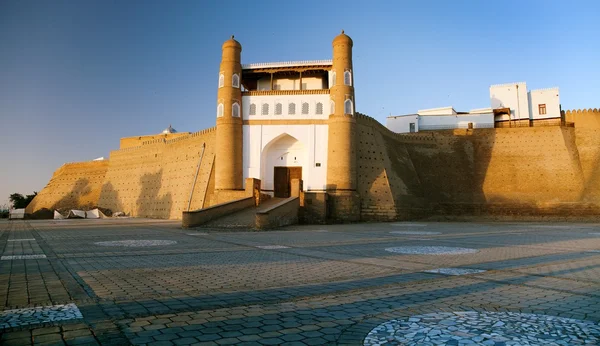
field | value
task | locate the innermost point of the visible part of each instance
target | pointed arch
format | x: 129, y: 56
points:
x: 319, y: 108
x: 305, y: 108
x: 220, y: 110
x: 235, y: 110
x: 348, y: 107
x: 221, y: 80
x: 348, y: 77
x: 235, y: 80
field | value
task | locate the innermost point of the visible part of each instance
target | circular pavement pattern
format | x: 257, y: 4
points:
x: 484, y: 328
x: 416, y: 232
x: 431, y: 250
x: 136, y: 243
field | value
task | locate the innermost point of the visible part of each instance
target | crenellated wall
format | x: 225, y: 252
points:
x: 155, y: 179
x: 583, y: 118
x: 518, y: 171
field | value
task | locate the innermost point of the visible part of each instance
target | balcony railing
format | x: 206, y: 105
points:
x: 285, y: 92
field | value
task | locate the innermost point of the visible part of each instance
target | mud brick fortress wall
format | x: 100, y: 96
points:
x: 153, y: 179
x: 73, y: 184
x: 520, y: 171
x: 372, y: 173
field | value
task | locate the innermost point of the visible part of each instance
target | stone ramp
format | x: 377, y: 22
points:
x: 241, y: 219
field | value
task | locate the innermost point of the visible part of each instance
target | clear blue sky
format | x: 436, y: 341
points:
x: 75, y: 76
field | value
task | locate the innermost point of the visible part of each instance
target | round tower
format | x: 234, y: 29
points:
x: 341, y: 156
x: 228, y: 165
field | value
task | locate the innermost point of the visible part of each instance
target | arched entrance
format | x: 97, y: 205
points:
x: 283, y: 159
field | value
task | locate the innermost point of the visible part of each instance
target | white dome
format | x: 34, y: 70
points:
x: 169, y: 129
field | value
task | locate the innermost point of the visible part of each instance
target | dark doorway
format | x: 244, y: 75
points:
x: 283, y: 180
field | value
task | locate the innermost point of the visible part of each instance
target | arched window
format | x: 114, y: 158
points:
x: 348, y: 107
x: 265, y: 109
x: 292, y: 109
x: 278, y: 109
x: 331, y: 106
x: 235, y: 110
x: 348, y: 78
x: 252, y: 109
x: 221, y: 80
x: 220, y: 110
x: 304, y: 107
x: 319, y: 108
x: 332, y: 79
x: 235, y: 80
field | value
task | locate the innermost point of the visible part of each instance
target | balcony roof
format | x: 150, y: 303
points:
x: 301, y: 63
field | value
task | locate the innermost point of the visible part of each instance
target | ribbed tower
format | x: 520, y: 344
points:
x: 228, y: 166
x: 341, y: 157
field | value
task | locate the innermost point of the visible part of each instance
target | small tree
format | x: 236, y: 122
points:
x: 19, y: 201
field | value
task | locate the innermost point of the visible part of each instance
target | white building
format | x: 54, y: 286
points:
x: 513, y: 102
x: 510, y: 103
x: 276, y: 96
x: 442, y: 118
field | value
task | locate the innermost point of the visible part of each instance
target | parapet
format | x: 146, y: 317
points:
x: 583, y: 118
x: 506, y: 84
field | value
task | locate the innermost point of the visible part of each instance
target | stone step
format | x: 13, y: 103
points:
x: 241, y: 219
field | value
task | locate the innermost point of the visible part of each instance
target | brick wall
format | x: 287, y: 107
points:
x: 73, y: 185
x: 544, y: 170
x: 529, y: 170
x: 150, y: 180
x: 583, y: 118
x: 155, y: 179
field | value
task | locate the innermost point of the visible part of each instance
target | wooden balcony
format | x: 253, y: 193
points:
x: 285, y: 92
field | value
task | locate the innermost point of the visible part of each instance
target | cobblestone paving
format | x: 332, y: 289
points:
x: 485, y: 328
x: 303, y: 285
x: 455, y: 271
x: 431, y: 250
x: 38, y: 315
x: 415, y: 232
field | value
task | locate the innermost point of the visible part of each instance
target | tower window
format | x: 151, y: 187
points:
x: 220, y: 110
x: 265, y: 109
x: 304, y: 107
x: 333, y: 79
x: 348, y: 107
x: 278, y: 109
x: 319, y: 108
x: 221, y: 80
x: 235, y: 80
x: 252, y: 109
x: 542, y: 109
x: 331, y: 106
x: 235, y: 110
x: 292, y: 109
x: 348, y: 78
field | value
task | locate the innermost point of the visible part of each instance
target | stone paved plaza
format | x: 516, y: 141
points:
x: 148, y: 282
